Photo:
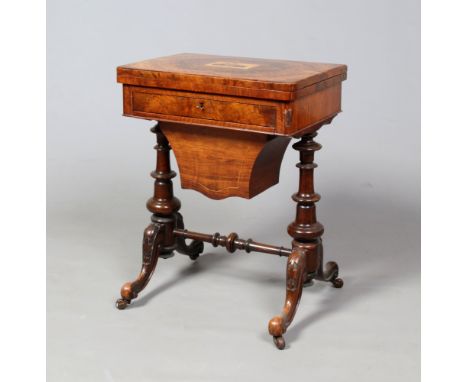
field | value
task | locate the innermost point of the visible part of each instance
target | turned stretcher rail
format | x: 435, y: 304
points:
x: 232, y: 242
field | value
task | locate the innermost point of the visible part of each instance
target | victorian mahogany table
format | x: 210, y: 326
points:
x: 229, y: 121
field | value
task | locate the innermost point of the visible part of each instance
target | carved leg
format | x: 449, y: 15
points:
x: 194, y: 249
x: 330, y: 273
x: 158, y: 240
x: 295, y: 276
x: 152, y: 240
x: 306, y: 261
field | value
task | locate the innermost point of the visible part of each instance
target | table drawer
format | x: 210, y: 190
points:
x: 170, y: 105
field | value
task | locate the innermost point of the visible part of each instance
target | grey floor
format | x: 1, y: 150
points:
x: 207, y: 320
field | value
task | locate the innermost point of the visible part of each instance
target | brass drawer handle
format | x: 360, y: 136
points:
x: 200, y: 106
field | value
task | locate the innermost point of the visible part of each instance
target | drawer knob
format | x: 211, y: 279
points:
x: 200, y: 106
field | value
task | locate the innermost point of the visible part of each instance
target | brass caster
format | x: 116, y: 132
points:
x: 121, y: 303
x: 279, y: 342
x: 338, y: 283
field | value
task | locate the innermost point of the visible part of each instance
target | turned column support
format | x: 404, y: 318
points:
x: 158, y: 238
x: 305, y: 230
x: 163, y: 204
x: 306, y: 260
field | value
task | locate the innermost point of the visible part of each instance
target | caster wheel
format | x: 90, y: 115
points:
x: 338, y: 283
x: 121, y: 303
x: 194, y: 257
x: 279, y: 342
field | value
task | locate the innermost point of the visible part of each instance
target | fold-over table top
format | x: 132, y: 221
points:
x: 238, y: 76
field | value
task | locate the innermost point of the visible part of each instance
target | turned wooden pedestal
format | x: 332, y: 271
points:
x: 229, y: 121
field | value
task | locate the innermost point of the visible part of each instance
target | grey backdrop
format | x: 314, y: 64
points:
x: 208, y: 320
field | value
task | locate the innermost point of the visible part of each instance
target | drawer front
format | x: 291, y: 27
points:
x: 204, y: 108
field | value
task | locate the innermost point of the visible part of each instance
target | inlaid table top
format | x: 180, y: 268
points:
x: 270, y: 79
x: 271, y: 96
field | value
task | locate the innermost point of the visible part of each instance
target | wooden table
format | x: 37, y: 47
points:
x: 229, y: 121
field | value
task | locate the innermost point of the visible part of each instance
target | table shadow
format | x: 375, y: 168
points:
x: 203, y: 263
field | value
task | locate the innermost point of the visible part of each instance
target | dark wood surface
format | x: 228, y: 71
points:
x: 224, y: 163
x: 158, y: 238
x: 237, y: 76
x: 229, y: 121
x: 269, y: 96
